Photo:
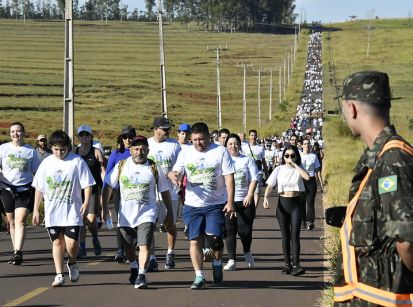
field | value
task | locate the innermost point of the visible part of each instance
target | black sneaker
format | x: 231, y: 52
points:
x: 287, y: 269
x: 217, y: 274
x: 170, y: 261
x: 297, y: 270
x: 17, y: 258
x: 133, y: 275
x: 153, y: 266
x: 310, y: 226
x: 140, y: 282
x: 120, y: 256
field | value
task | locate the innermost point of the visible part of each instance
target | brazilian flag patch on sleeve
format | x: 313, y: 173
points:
x: 388, y: 184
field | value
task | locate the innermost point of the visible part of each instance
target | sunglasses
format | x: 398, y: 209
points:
x: 128, y: 136
x: 292, y: 156
x: 82, y: 134
x: 42, y: 140
x: 165, y: 129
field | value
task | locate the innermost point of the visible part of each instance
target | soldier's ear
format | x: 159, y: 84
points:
x: 354, y: 109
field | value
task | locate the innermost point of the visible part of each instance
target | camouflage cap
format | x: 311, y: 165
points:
x: 371, y: 87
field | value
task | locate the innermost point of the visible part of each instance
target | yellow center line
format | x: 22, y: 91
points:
x: 26, y: 297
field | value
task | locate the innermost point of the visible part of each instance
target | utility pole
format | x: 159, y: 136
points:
x: 162, y: 62
x: 295, y: 42
x: 68, y: 99
x: 244, y: 96
x: 259, y: 96
x: 270, y: 111
x: 280, y: 90
x: 288, y: 68
x: 369, y: 33
x: 219, y: 109
x: 284, y: 79
x: 219, y: 105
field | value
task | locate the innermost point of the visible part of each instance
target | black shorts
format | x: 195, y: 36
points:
x: 138, y: 236
x: 71, y: 232
x: 12, y: 201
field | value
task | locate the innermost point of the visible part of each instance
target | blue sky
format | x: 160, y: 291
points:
x: 336, y: 10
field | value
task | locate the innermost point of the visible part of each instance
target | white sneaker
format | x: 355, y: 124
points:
x: 230, y: 266
x: 73, y: 272
x: 59, y: 281
x: 249, y: 259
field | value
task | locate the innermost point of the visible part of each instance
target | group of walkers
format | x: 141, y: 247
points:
x: 216, y: 177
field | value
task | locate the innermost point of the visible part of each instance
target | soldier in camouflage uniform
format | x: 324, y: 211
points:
x: 382, y: 223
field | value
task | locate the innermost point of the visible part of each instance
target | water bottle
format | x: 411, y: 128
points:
x: 109, y: 223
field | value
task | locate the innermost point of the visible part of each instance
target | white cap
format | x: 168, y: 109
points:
x: 84, y: 128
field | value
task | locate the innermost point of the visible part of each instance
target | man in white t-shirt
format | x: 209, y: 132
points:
x: 59, y: 180
x: 209, y: 196
x: 164, y: 152
x: 257, y: 153
x: 138, y: 178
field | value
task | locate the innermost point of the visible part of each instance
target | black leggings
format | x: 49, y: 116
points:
x: 310, y: 191
x: 241, y: 224
x: 289, y: 218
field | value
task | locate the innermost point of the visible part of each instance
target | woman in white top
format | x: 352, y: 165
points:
x: 312, y: 165
x: 18, y: 162
x: 246, y: 176
x: 289, y: 179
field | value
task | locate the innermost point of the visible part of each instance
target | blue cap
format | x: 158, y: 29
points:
x: 184, y: 127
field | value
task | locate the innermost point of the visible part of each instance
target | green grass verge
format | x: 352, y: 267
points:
x: 391, y: 43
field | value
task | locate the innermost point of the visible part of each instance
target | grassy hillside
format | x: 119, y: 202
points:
x: 391, y: 45
x: 117, y: 75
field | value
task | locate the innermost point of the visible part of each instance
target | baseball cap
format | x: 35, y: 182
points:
x: 128, y: 130
x: 371, y: 87
x: 184, y: 127
x: 161, y: 122
x: 85, y: 128
x: 41, y: 137
x: 139, y: 140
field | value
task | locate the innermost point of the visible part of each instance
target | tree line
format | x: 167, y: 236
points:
x: 212, y: 13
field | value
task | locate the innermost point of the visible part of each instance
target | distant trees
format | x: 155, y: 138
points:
x: 214, y: 14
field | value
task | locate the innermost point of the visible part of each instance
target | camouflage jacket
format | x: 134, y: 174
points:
x: 384, y: 213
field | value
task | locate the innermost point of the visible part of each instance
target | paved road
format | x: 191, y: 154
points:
x: 105, y: 283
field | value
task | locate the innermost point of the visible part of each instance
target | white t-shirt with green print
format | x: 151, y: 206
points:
x: 137, y: 192
x: 205, y: 173
x: 62, y: 182
x: 245, y: 171
x: 164, y: 154
x: 18, y: 164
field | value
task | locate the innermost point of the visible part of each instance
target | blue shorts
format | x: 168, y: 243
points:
x: 209, y: 219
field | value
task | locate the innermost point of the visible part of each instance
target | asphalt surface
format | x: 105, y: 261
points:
x: 105, y: 283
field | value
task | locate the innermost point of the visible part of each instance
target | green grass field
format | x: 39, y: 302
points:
x: 117, y: 78
x: 391, y: 45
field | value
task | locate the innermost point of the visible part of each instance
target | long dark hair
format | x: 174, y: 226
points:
x: 296, y: 152
x: 126, y: 130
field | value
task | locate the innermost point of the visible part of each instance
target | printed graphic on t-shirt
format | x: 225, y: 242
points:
x: 133, y: 188
x: 21, y: 164
x: 59, y: 188
x: 240, y: 179
x: 200, y: 174
x: 165, y: 163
